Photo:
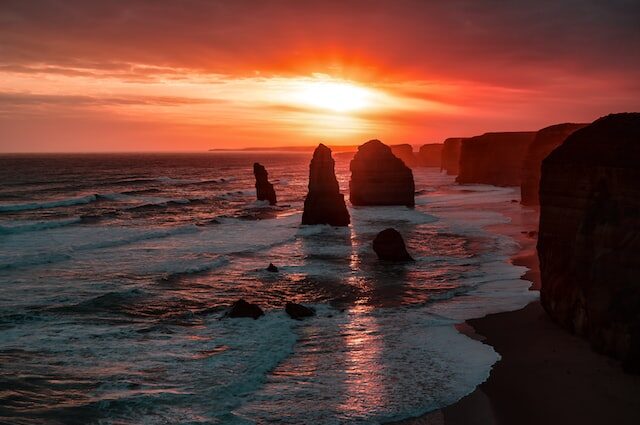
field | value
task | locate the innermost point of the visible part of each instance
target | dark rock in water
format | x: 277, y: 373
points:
x: 378, y: 177
x: 494, y: 158
x: 264, y: 189
x: 405, y: 153
x: 545, y: 141
x: 430, y: 155
x: 589, y: 235
x: 389, y: 246
x: 272, y: 268
x: 241, y: 308
x: 451, y: 155
x: 298, y: 311
x: 324, y: 203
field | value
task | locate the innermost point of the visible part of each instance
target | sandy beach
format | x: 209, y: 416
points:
x: 546, y: 375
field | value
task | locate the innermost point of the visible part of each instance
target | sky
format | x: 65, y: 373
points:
x: 89, y: 76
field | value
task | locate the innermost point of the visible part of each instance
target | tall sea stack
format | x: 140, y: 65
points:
x: 589, y: 237
x: 494, y: 158
x: 405, y: 153
x: 324, y: 203
x: 545, y: 141
x: 451, y: 155
x: 378, y: 177
x: 264, y: 189
x: 430, y: 155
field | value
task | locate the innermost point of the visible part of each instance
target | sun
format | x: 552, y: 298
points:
x: 334, y: 96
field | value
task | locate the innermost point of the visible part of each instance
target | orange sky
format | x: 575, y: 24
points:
x: 193, y: 75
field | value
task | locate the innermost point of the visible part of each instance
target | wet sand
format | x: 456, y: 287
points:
x: 546, y: 375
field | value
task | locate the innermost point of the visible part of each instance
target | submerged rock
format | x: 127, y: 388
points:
x: 324, y: 203
x: 298, y: 311
x: 451, y: 155
x: 545, y: 141
x: 589, y: 235
x: 389, y: 246
x: 378, y: 177
x: 494, y: 158
x: 271, y: 268
x: 430, y: 155
x: 241, y: 308
x: 264, y: 189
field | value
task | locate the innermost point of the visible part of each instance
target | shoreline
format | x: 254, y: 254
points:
x: 546, y: 375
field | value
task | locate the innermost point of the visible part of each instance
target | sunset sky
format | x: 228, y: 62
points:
x: 192, y: 75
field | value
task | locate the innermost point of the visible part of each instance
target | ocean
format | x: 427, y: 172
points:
x: 116, y: 271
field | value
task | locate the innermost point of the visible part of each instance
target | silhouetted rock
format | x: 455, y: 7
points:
x: 324, y: 203
x: 430, y: 155
x: 378, y: 177
x: 545, y: 141
x: 494, y: 158
x: 241, y: 308
x: 405, y: 153
x: 389, y: 246
x: 298, y: 311
x: 264, y: 189
x: 589, y: 236
x: 271, y: 268
x: 451, y: 155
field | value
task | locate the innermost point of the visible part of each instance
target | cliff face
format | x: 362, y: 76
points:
x: 494, y: 158
x: 378, y: 177
x: 451, y: 155
x: 545, y: 141
x: 589, y: 237
x: 324, y: 203
x: 430, y: 155
x: 264, y: 189
x: 405, y: 153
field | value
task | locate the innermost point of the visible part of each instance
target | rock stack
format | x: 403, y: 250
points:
x: 264, y: 189
x: 405, y: 153
x: 389, y: 246
x: 545, y: 141
x: 589, y: 236
x: 324, y: 203
x: 451, y: 155
x: 378, y: 177
x: 430, y: 155
x: 494, y: 158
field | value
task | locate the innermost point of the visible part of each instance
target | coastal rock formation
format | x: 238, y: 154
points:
x: 378, y: 177
x: 264, y: 189
x: 589, y: 236
x: 494, y: 158
x: 430, y: 155
x: 271, y: 268
x: 451, y: 155
x: 298, y: 311
x: 324, y: 203
x: 389, y: 246
x: 545, y: 141
x: 405, y: 153
x: 241, y: 308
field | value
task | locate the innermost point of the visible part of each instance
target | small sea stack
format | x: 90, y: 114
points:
x: 430, y: 155
x: 545, y: 141
x: 494, y: 158
x: 324, y: 203
x: 389, y: 246
x: 405, y: 153
x: 450, y: 158
x: 298, y: 311
x: 378, y: 177
x: 264, y: 189
x: 589, y: 235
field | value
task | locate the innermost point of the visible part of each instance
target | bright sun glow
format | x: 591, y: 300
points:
x: 338, y: 97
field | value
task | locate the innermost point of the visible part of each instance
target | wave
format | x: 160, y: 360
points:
x: 39, y: 225
x: 49, y: 204
x: 172, y: 276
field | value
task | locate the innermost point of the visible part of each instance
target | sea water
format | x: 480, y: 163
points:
x: 116, y: 271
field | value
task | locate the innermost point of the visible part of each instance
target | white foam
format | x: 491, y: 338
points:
x: 48, y: 204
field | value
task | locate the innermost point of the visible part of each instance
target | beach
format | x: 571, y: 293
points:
x: 546, y: 375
